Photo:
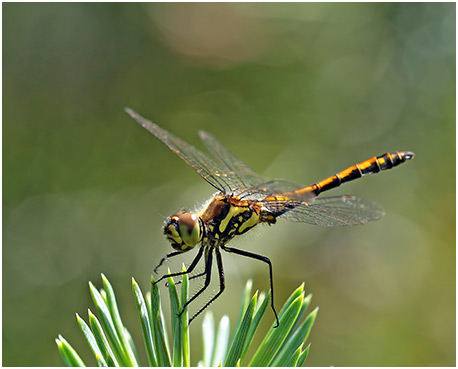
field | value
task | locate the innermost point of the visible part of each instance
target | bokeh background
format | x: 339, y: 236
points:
x: 298, y: 91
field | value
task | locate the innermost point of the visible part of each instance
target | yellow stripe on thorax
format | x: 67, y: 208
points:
x: 233, y: 211
x: 251, y: 222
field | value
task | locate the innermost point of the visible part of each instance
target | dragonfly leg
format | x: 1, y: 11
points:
x: 266, y: 260
x: 192, y: 277
x: 168, y: 256
x: 190, y: 268
x: 222, y: 284
x: 208, y: 273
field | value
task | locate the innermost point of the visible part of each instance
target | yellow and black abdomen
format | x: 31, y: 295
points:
x: 370, y: 166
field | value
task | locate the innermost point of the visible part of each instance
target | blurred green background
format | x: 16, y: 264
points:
x: 299, y: 91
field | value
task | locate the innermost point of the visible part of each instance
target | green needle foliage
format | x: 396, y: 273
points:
x: 112, y: 345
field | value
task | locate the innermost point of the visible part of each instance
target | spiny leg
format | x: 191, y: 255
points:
x: 192, y: 277
x: 222, y: 284
x: 208, y: 273
x: 190, y: 268
x: 265, y: 260
x: 165, y: 258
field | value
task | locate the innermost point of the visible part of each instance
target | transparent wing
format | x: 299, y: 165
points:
x: 239, y: 172
x: 213, y: 173
x: 276, y: 187
x: 333, y: 211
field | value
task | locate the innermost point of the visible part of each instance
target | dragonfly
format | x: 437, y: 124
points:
x: 244, y: 199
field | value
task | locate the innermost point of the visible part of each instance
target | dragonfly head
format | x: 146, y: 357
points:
x: 184, y: 230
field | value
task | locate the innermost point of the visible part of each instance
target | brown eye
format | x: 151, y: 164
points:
x: 183, y: 230
x: 189, y: 226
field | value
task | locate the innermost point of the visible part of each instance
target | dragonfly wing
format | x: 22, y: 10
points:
x: 277, y: 187
x: 334, y: 211
x: 242, y: 175
x: 201, y: 163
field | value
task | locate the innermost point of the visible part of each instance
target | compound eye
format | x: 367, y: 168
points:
x: 183, y: 230
x: 190, y: 228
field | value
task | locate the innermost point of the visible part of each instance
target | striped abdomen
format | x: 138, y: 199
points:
x: 373, y: 165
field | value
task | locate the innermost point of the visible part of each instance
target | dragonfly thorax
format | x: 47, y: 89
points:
x: 184, y: 230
